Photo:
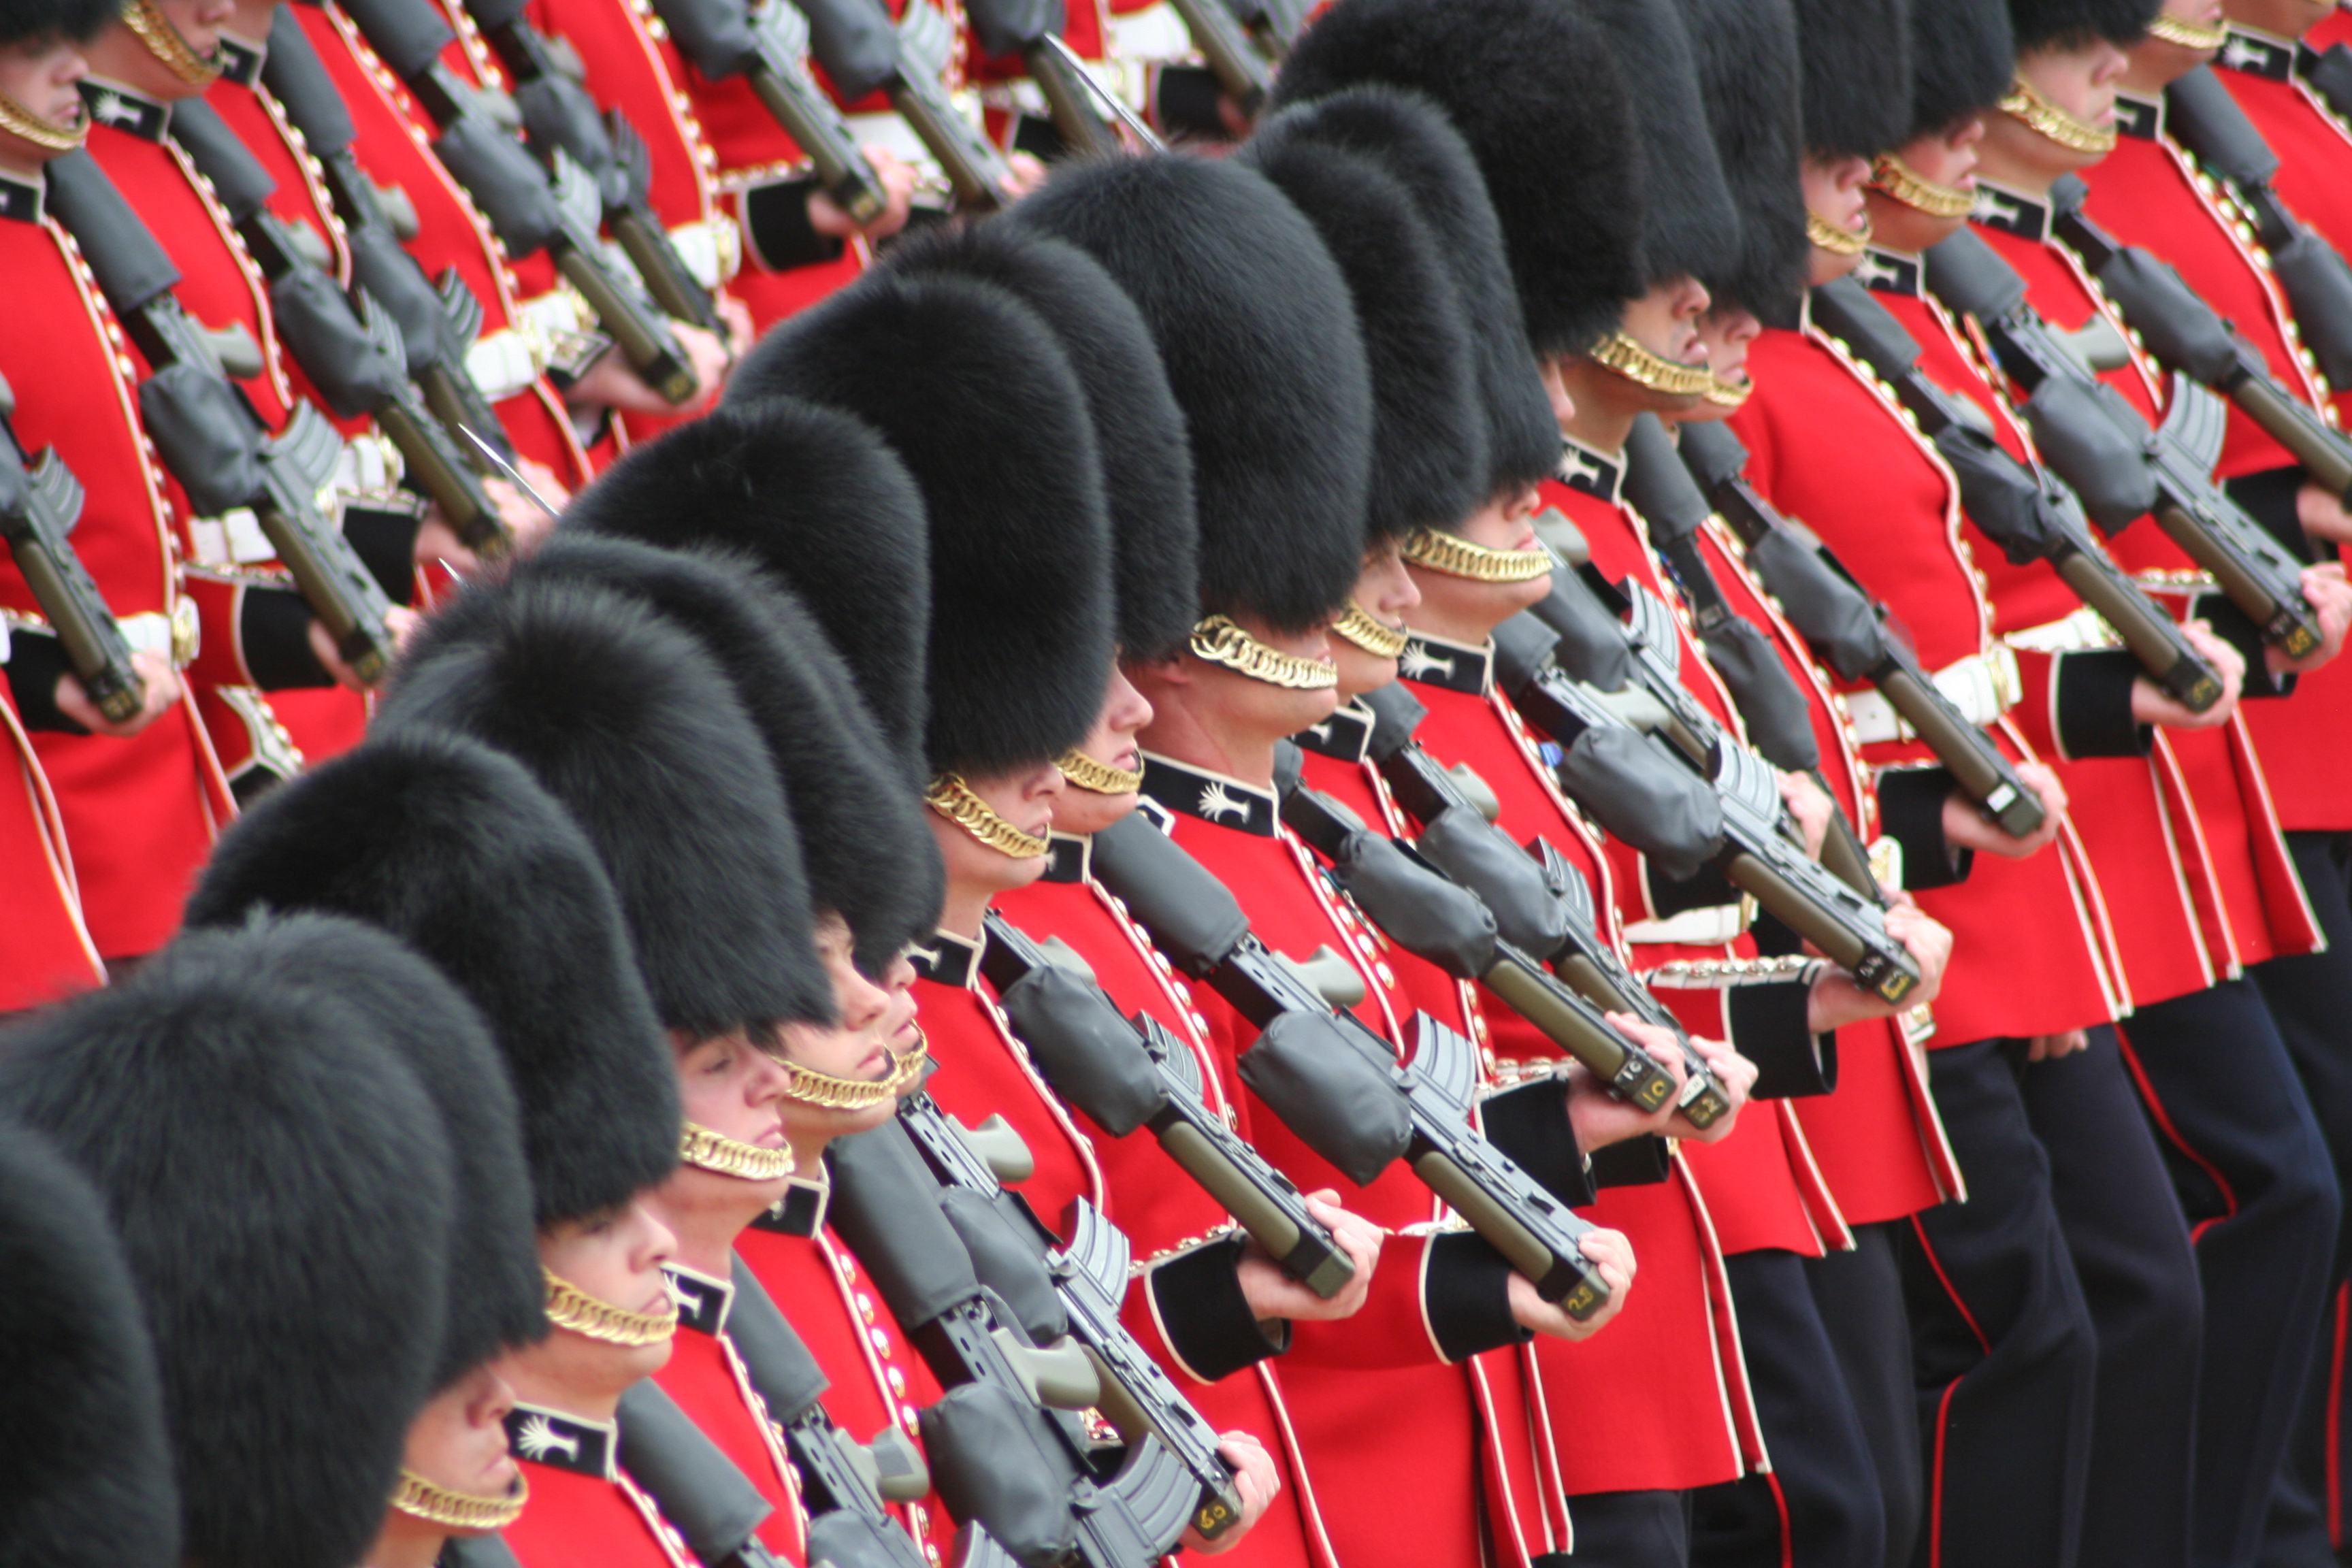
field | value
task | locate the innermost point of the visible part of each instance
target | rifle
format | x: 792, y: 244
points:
x: 559, y: 115
x: 1244, y: 72
x: 1087, y: 1281
x: 437, y: 326
x: 2029, y: 512
x: 860, y: 50
x: 698, y: 1488
x: 530, y: 209
x: 843, y: 1483
x: 768, y: 45
x: 39, y: 504
x: 1005, y: 1450
x: 351, y: 351
x: 1128, y: 1074
x: 2192, y: 339
x: 2070, y: 409
x: 1755, y: 851
x: 1337, y: 1084
x: 1031, y: 29
x: 2201, y: 112
x: 209, y: 434
x: 1845, y: 631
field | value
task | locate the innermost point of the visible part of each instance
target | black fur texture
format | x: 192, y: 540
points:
x: 85, y: 1466
x: 1429, y: 439
x: 860, y: 826
x: 453, y: 848
x: 1689, y: 228
x: 1414, y: 140
x: 1963, y: 56
x: 1857, y: 74
x: 826, y: 507
x: 80, y: 20
x: 1534, y: 88
x: 1139, y: 428
x: 1253, y: 324
x: 622, y: 716
x: 971, y: 388
x: 280, y: 1183
x: 1753, y: 88
x: 2070, y: 22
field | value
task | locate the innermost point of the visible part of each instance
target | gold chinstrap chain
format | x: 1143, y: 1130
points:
x: 570, y: 1306
x: 21, y: 122
x: 1360, y: 626
x: 164, y: 41
x: 1835, y: 240
x: 434, y: 1504
x: 1890, y: 175
x: 831, y: 1093
x: 1097, y: 777
x: 953, y: 799
x: 1456, y: 557
x: 2028, y: 106
x: 1636, y: 364
x: 1220, y: 641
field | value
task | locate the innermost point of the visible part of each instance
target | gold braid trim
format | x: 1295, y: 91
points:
x: 1097, y: 777
x: 2029, y: 107
x: 1360, y: 626
x: 1729, y: 394
x: 716, y: 1151
x: 1835, y: 240
x: 1890, y: 175
x: 570, y: 1306
x: 822, y: 1090
x: 1427, y: 548
x: 164, y: 41
x: 952, y: 798
x: 1636, y: 364
x: 1220, y: 641
x: 2188, y: 34
x: 25, y: 125
x: 421, y: 1499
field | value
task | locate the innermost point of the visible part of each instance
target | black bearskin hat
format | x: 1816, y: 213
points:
x: 2063, y: 22
x: 1429, y: 441
x: 1534, y: 88
x: 1414, y: 140
x: 973, y: 392
x: 824, y: 505
x: 80, y: 20
x: 859, y: 824
x: 84, y: 1465
x: 1749, y: 79
x: 281, y: 1186
x: 1963, y: 57
x: 621, y: 715
x: 1253, y: 324
x: 1139, y: 428
x: 1689, y: 228
x: 453, y: 848
x: 1857, y: 76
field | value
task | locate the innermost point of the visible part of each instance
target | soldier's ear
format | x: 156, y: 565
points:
x: 1173, y: 669
x: 1563, y: 407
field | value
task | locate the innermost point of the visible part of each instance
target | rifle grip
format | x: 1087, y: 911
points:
x: 2153, y: 636
x: 1965, y: 750
x: 1564, y: 1281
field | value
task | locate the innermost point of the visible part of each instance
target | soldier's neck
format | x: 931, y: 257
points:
x: 706, y: 1238
x: 1603, y: 417
x: 1209, y: 741
x: 418, y: 1547
x: 538, y: 1377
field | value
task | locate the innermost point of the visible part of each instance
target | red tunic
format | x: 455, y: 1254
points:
x: 707, y: 1380
x: 583, y: 1512
x: 48, y: 950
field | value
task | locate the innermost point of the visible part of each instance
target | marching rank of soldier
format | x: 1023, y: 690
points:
x: 1044, y: 784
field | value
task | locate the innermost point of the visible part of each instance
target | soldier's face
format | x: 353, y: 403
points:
x: 1727, y: 331
x: 1025, y: 797
x: 2156, y: 62
x: 1946, y: 158
x: 2287, y: 18
x: 1124, y: 714
x: 39, y: 75
x: 2082, y: 81
x: 460, y: 1440
x: 1833, y: 193
x: 1663, y: 320
x: 1385, y: 590
x: 1463, y: 610
x: 735, y: 1089
x: 616, y: 1256
x: 862, y: 1046
x: 118, y: 53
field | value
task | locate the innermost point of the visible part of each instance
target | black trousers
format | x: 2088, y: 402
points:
x: 2310, y: 999
x: 2262, y: 1200
x: 1860, y: 1295
x: 1627, y: 1530
x: 1819, y: 1507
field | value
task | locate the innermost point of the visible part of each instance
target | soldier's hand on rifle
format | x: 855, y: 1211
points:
x: 437, y: 543
x: 1026, y: 174
x: 161, y: 681
x: 1609, y: 1253
x: 1734, y: 1072
x: 2150, y: 705
x: 2322, y: 513
x: 897, y: 198
x: 611, y: 383
x: 1811, y: 807
x: 1968, y: 828
x: 1257, y: 1482
x: 1272, y: 1293
x: 400, y: 621
x: 1836, y: 1001
x: 1599, y: 1117
x: 2049, y: 1047
x: 2329, y: 594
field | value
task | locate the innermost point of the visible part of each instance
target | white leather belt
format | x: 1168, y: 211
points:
x: 368, y: 470
x: 1708, y: 927
x: 2081, y: 632
x: 711, y: 247
x: 1983, y: 686
x: 174, y: 637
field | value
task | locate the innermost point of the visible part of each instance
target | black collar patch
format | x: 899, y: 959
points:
x: 2142, y: 119
x: 1451, y: 666
x: 1347, y: 734
x: 1069, y: 857
x: 800, y: 1212
x: 1211, y: 797
x: 2012, y: 212
x: 564, y: 1442
x: 702, y: 1301
x: 1583, y: 469
x: 1889, y: 272
x: 20, y: 200
x: 947, y: 960
x: 2258, y: 54
x: 111, y: 104
x: 240, y: 58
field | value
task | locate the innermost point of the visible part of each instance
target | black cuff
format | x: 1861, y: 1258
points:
x: 385, y: 543
x: 2094, y: 692
x: 2237, y: 629
x: 1911, y: 812
x: 776, y: 228
x: 1767, y: 1023
x: 2270, y: 498
x: 273, y: 629
x: 36, y: 662
x: 1531, y: 1124
x: 1636, y: 1162
x: 1466, y: 1294
x: 1708, y: 889
x: 1208, y: 1321
x: 1184, y: 102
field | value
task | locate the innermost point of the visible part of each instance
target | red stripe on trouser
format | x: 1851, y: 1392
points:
x: 1788, y: 1527
x: 2334, y: 1439
x: 1951, y: 1291
x: 2172, y: 1134
x: 1935, y: 1480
